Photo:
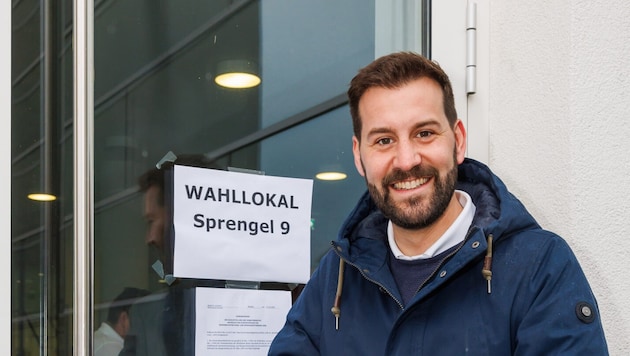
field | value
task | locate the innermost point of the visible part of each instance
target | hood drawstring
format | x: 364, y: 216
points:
x: 486, y: 271
x: 336, y: 310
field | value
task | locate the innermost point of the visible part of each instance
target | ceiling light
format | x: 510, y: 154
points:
x: 237, y: 73
x: 42, y: 197
x: 331, y: 176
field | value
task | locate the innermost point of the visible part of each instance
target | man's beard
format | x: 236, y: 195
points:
x: 416, y: 212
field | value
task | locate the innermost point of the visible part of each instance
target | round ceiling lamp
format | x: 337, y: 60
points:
x: 331, y: 176
x: 41, y: 197
x: 237, y: 74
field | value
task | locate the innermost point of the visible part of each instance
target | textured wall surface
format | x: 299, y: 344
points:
x: 559, y: 132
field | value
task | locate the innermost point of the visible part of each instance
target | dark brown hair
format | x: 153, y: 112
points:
x: 393, y: 71
x: 123, y: 303
x: 150, y: 178
x: 155, y: 176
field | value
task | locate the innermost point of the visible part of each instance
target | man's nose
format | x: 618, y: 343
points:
x: 152, y: 239
x: 407, y: 155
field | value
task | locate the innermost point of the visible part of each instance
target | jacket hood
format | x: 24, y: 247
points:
x: 498, y: 215
x: 498, y: 212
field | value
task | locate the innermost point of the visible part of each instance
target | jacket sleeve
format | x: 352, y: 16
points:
x: 557, y: 312
x: 301, y: 332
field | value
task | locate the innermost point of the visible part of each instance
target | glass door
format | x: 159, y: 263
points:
x: 157, y: 90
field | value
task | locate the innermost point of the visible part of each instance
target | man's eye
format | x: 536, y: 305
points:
x: 425, y: 134
x: 384, y: 141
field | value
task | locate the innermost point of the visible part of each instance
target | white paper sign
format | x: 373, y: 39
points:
x: 238, y: 321
x: 240, y: 226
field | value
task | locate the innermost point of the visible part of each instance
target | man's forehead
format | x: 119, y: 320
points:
x: 423, y: 97
x: 151, y: 198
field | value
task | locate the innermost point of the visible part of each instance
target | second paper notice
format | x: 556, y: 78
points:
x: 238, y: 321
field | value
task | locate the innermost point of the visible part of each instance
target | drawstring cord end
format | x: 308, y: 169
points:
x: 336, y: 309
x: 487, y: 265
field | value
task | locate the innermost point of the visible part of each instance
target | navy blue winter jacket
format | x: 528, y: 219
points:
x: 539, y: 303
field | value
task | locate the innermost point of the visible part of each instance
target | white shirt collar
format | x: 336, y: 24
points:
x: 455, y: 234
x: 109, y: 332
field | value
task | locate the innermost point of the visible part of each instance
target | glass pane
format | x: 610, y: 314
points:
x: 41, y: 152
x: 310, y: 50
x: 155, y: 92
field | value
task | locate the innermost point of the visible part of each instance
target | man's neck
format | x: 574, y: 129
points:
x: 417, y: 241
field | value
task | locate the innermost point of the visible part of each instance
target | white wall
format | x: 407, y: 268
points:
x: 558, y: 132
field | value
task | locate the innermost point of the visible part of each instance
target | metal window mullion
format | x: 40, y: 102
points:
x: 47, y: 97
x: 83, y: 54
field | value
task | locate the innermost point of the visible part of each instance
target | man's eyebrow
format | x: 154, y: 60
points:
x: 430, y: 122
x: 418, y: 125
x: 378, y: 130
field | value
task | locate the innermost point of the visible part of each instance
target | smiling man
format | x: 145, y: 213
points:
x: 438, y: 258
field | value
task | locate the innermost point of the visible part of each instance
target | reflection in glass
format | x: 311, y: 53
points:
x: 154, y: 92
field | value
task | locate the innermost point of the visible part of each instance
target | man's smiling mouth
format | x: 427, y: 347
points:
x: 410, y: 184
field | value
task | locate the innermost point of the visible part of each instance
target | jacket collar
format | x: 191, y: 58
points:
x: 498, y: 211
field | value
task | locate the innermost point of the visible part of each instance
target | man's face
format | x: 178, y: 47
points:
x: 408, y: 152
x: 154, y: 213
x: 124, y: 324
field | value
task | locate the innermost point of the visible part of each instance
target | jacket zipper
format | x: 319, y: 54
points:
x: 446, y: 258
x: 382, y: 287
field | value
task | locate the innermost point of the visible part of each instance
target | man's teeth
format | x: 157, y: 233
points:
x: 410, y: 184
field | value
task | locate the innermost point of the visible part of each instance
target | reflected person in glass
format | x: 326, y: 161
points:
x: 163, y: 325
x: 109, y: 337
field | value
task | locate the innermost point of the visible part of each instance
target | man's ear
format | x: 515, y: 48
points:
x: 123, y: 316
x: 357, y: 155
x: 460, y: 140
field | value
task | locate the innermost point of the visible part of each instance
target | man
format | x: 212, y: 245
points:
x: 439, y: 258
x: 109, y: 337
x: 165, y: 324
x: 153, y: 183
